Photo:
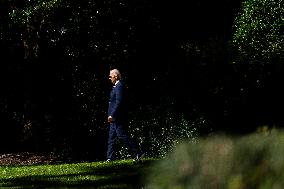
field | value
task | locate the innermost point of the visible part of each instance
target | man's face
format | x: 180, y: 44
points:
x: 112, y: 78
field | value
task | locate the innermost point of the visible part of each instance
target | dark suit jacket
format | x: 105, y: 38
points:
x: 116, y: 108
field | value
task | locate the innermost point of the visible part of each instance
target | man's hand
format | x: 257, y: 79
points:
x: 109, y: 119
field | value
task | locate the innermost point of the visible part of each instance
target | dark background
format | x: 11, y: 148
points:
x: 174, y: 57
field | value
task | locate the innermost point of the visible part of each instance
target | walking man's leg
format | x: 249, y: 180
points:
x: 122, y: 135
x: 111, y: 139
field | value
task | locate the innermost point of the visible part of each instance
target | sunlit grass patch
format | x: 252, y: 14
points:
x: 117, y: 174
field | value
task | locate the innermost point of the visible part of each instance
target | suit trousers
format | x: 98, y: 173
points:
x: 116, y: 131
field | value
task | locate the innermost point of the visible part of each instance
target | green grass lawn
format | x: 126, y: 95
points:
x: 117, y: 174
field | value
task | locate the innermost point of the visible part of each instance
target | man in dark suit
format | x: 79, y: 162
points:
x: 117, y: 117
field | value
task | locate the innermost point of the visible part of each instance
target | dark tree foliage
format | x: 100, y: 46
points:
x: 175, y: 58
x: 10, y: 85
x: 257, y: 56
x: 65, y: 52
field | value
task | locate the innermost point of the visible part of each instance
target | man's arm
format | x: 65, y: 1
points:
x: 117, y: 103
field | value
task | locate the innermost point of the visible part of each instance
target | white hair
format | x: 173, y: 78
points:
x: 116, y: 72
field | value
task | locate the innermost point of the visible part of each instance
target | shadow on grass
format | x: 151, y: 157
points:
x: 107, y: 175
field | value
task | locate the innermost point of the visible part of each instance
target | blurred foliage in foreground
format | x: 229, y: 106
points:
x: 252, y: 161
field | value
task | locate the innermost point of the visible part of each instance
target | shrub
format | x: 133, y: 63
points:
x: 257, y: 30
x: 158, y: 133
x: 252, y: 161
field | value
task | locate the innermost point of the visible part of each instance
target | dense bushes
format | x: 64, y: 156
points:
x: 157, y: 132
x: 257, y: 34
x: 257, y: 57
x: 253, y: 161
